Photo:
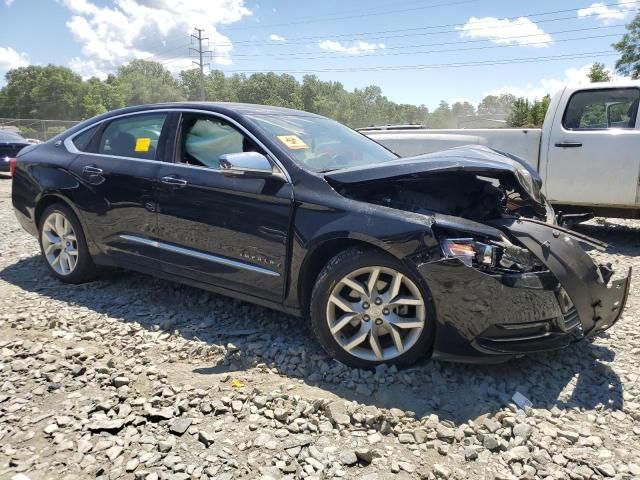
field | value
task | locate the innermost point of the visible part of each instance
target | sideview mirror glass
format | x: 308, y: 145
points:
x: 245, y: 163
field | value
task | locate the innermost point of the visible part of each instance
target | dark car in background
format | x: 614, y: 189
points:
x: 454, y: 254
x: 10, y: 144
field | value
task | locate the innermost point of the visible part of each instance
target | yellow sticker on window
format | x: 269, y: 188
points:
x: 293, y: 142
x: 142, y: 144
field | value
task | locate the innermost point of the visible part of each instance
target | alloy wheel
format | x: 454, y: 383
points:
x: 59, y: 243
x: 376, y: 313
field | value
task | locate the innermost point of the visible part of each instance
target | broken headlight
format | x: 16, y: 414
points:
x: 470, y: 251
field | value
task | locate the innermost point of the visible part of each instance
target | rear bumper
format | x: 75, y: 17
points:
x: 26, y: 222
x: 486, y: 318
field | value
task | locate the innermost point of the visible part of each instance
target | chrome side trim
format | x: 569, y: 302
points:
x: 196, y: 254
x: 69, y: 145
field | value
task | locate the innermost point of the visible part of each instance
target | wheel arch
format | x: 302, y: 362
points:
x: 316, y: 259
x: 50, y: 198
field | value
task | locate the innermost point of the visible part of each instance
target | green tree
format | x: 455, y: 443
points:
x: 42, y: 92
x: 100, y: 97
x: 496, y: 104
x: 629, y: 49
x: 270, y: 89
x: 142, y: 82
x: 460, y: 109
x: 539, y: 110
x: 520, y: 115
x: 442, y: 117
x: 598, y: 73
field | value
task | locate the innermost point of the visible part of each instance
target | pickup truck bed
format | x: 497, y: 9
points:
x: 586, y: 151
x: 524, y: 143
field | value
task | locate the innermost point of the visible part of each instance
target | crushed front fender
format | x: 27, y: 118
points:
x: 598, y: 302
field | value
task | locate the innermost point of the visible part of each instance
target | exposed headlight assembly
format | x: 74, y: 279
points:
x: 470, y: 251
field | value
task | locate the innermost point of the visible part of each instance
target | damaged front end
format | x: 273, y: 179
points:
x: 506, y: 280
x: 536, y: 290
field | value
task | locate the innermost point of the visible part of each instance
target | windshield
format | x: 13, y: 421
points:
x: 320, y: 144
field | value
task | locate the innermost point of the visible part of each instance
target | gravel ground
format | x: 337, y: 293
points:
x: 137, y: 378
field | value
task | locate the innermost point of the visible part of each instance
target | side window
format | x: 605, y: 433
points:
x: 83, y: 140
x: 204, y: 139
x: 598, y: 109
x: 135, y: 136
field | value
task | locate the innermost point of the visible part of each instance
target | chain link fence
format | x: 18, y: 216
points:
x: 36, y: 128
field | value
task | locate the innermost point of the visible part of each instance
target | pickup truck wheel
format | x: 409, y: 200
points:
x: 368, y: 309
x: 63, y: 245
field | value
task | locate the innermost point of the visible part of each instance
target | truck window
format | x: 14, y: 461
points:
x: 601, y: 109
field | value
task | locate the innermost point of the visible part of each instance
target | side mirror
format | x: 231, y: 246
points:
x: 251, y: 164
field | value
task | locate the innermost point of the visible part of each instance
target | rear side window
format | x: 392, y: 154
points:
x: 136, y: 136
x: 601, y: 109
x: 83, y: 140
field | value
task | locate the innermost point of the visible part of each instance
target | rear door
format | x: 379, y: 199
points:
x: 119, y: 162
x: 593, y: 150
x: 228, y: 231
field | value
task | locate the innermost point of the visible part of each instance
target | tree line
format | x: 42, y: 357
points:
x: 56, y: 92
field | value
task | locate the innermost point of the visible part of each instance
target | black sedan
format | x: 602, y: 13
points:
x: 10, y: 144
x: 454, y: 254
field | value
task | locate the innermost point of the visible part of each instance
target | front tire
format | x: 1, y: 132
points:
x: 64, y: 246
x: 367, y: 308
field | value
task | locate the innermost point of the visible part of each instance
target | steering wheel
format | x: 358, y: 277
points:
x: 334, y: 159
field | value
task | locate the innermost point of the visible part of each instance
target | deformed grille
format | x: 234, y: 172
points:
x: 570, y: 320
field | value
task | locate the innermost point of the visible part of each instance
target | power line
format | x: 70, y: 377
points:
x: 357, y: 36
x: 541, y: 59
x: 305, y: 55
x: 446, y: 50
x: 422, y: 52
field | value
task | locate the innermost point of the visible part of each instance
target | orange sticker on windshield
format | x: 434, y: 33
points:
x: 142, y: 144
x: 293, y: 142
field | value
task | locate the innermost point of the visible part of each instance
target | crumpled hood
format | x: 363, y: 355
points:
x: 470, y: 158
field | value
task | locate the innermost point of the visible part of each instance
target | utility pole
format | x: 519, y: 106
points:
x: 200, y: 53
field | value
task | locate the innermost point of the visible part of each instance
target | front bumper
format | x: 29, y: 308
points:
x: 485, y: 317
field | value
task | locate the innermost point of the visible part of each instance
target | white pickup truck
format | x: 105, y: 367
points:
x: 587, y: 152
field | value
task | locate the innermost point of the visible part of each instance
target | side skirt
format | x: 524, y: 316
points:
x: 105, y: 261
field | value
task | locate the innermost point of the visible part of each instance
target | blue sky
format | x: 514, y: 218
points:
x: 417, y: 51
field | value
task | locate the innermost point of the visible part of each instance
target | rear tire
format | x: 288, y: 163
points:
x: 367, y: 308
x: 64, y: 246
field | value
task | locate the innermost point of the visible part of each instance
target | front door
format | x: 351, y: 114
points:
x: 119, y: 164
x: 593, y: 154
x: 228, y: 231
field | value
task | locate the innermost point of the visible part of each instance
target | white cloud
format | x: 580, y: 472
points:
x: 357, y: 48
x: 607, y: 13
x: 277, y: 38
x: 520, y: 31
x: 10, y: 59
x: 129, y: 29
x: 532, y: 91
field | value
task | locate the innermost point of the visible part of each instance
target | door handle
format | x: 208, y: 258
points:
x: 90, y: 169
x: 172, y: 180
x: 569, y: 144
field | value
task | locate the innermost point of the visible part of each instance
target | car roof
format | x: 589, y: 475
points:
x: 229, y: 109
x: 223, y: 107
x: 10, y: 136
